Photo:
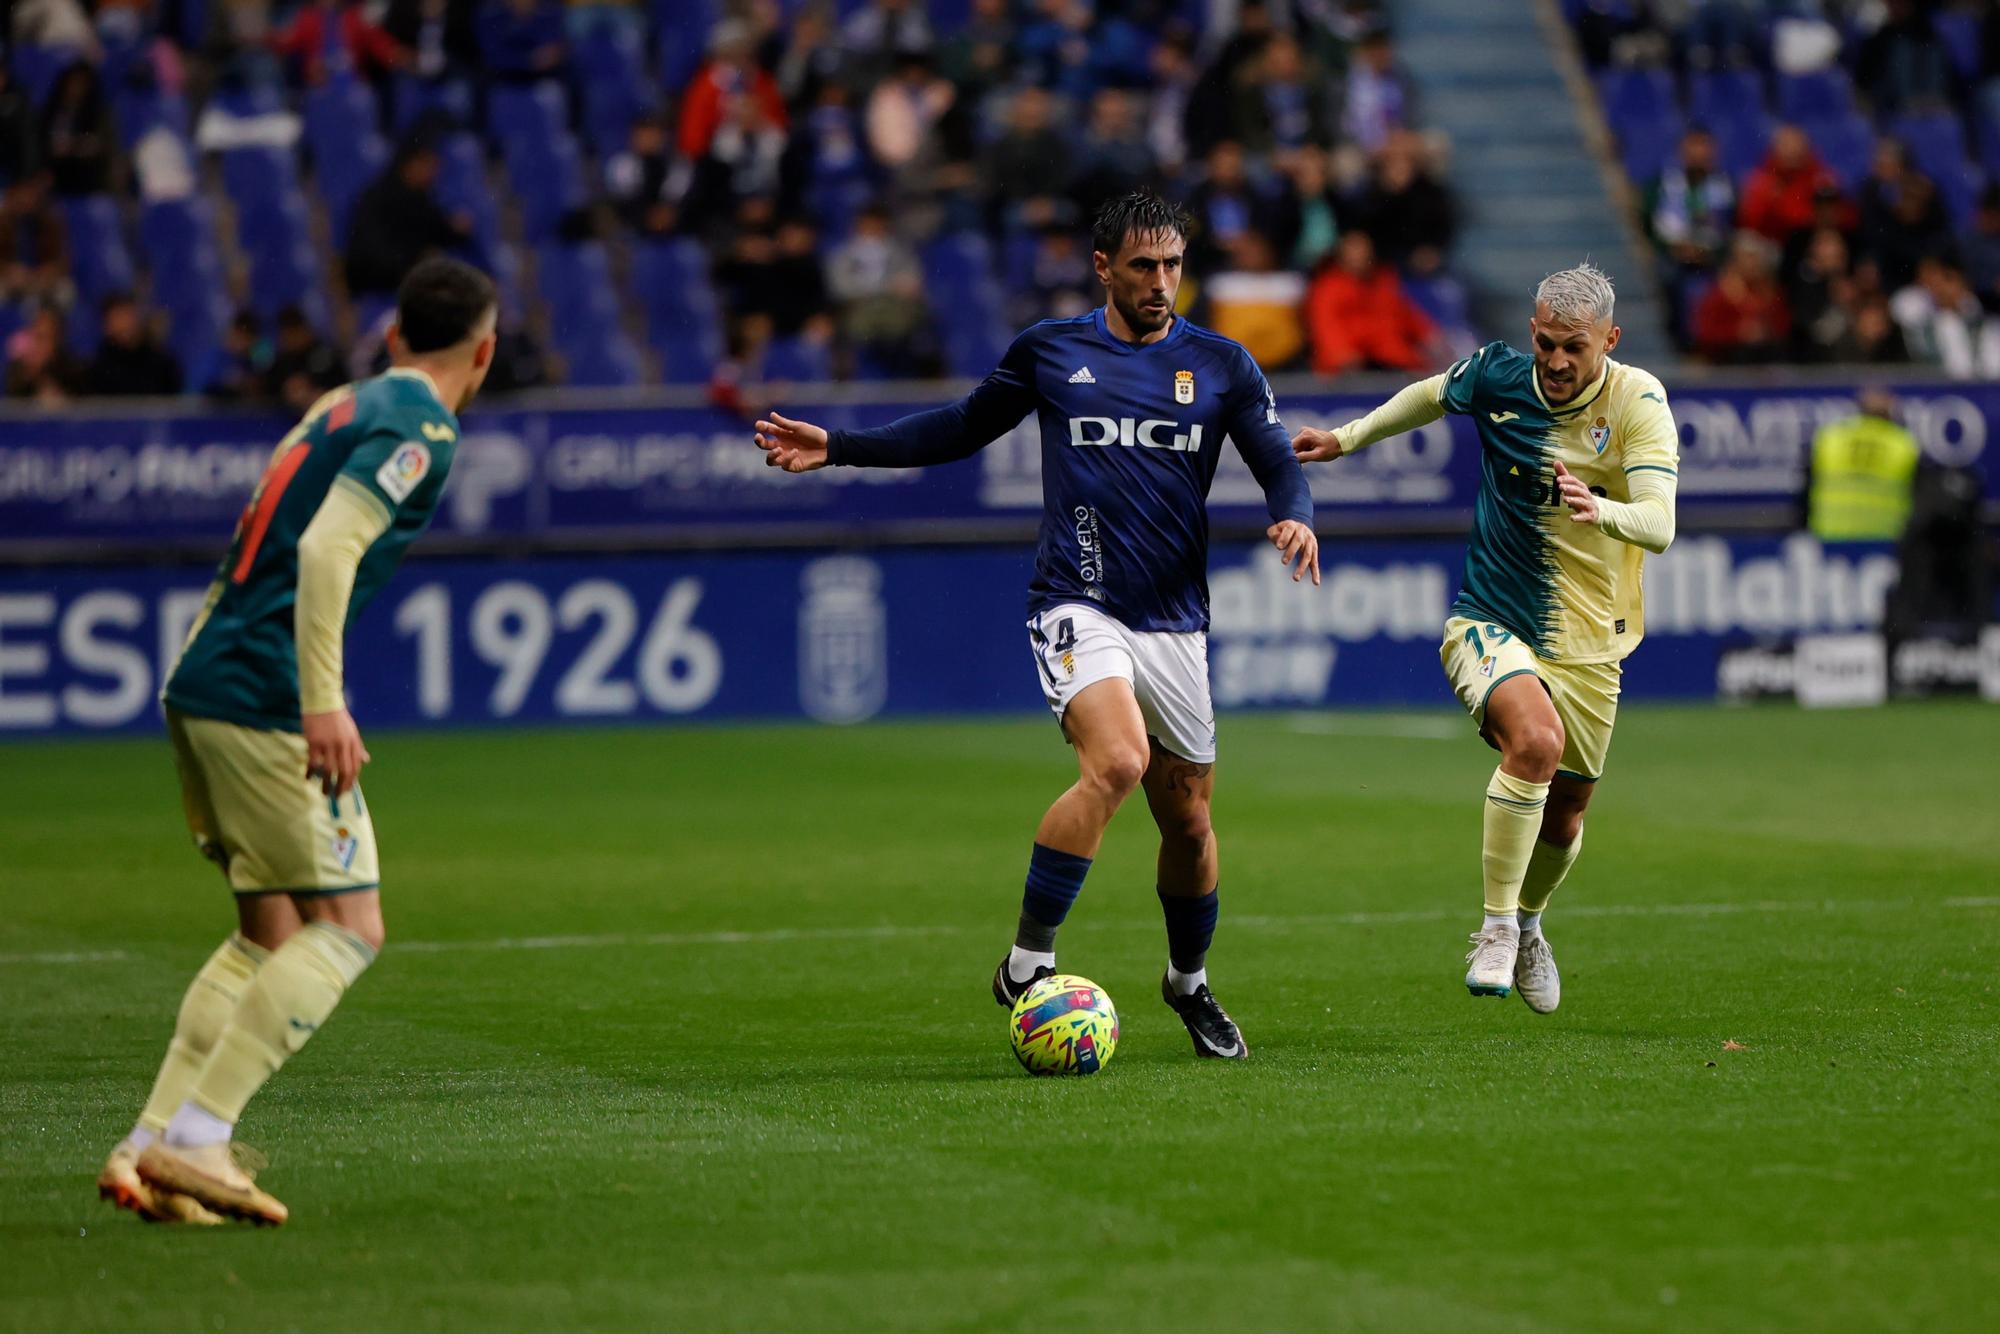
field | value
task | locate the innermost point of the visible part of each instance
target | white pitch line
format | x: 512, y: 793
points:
x: 69, y: 956
x: 1252, y: 921
x: 1412, y: 729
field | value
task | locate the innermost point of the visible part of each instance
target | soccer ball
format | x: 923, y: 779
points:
x: 1063, y: 1025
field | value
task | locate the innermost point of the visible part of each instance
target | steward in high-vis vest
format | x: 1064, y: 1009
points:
x: 1863, y: 470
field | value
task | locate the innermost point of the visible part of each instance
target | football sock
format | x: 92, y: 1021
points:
x: 1530, y: 924
x: 1190, y: 928
x: 1546, y: 869
x: 291, y: 997
x: 1021, y: 964
x: 1499, y: 921
x: 205, y: 1012
x: 1513, y: 818
x: 193, y: 1128
x: 1054, y: 880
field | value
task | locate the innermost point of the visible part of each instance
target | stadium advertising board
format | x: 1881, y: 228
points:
x: 843, y: 637
x: 589, y: 475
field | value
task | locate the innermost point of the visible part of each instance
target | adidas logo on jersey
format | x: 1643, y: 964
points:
x: 1083, y: 376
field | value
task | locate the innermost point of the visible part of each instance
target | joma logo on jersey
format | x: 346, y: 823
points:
x: 1086, y: 432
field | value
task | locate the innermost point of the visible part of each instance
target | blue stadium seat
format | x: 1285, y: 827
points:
x: 605, y: 361
x: 1725, y: 95
x: 100, y: 261
x: 1640, y: 91
x: 1741, y: 142
x: 611, y: 75
x: 798, y: 358
x: 1646, y: 144
x: 547, y: 188
x: 575, y: 279
x: 1936, y: 140
x: 683, y: 27
x: 535, y: 113
x: 1845, y: 143
x: 1821, y: 95
x: 1959, y: 30
x: 414, y: 98
x: 255, y: 177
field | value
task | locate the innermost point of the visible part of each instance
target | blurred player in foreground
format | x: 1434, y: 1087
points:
x: 1578, y: 463
x: 269, y: 758
x: 1133, y: 404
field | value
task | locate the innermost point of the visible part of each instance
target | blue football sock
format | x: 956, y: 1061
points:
x: 1054, y: 880
x: 1190, y: 927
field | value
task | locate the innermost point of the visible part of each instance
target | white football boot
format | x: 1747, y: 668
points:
x: 1491, y: 961
x: 1535, y: 975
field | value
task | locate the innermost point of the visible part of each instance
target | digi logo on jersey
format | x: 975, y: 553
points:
x: 1091, y: 432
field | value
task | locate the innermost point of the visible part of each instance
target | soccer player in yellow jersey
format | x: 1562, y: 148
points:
x: 1579, y: 456
x: 268, y: 755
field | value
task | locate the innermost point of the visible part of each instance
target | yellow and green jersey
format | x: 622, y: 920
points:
x: 387, y: 443
x: 1571, y: 591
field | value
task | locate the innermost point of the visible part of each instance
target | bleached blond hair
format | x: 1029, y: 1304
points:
x: 1577, y: 298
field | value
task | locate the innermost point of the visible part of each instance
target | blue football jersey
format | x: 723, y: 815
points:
x: 1131, y: 436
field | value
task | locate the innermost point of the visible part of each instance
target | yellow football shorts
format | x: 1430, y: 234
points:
x: 1479, y: 655
x: 253, y: 811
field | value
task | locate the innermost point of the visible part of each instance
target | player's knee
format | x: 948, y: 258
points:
x: 374, y: 933
x: 1187, y: 830
x: 1535, y: 751
x: 1117, y: 771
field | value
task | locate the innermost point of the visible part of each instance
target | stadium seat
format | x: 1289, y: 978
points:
x: 575, y: 280
x: 1725, y: 94
x: 1936, y: 140
x: 683, y: 27
x: 532, y: 113
x: 607, y: 360
x: 548, y: 188
x: 611, y: 75
x: 798, y: 358
x: 1845, y: 143
x: 1742, y: 142
x: 100, y: 261
x: 1821, y: 95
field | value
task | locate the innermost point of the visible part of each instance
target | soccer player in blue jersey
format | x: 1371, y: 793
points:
x: 1133, y: 404
x: 1578, y: 459
x: 269, y: 757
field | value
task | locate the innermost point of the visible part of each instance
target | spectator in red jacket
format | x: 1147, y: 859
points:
x: 731, y: 70
x: 1360, y: 317
x: 328, y: 35
x: 1778, y: 200
x: 1743, y: 320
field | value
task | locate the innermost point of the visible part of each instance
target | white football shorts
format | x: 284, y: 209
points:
x: 1077, y: 645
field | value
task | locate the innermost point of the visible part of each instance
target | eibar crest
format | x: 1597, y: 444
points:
x: 1183, y: 387
x: 344, y: 846
x: 1600, y: 434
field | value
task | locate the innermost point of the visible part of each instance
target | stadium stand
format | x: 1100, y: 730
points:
x: 687, y: 191
x: 1817, y: 177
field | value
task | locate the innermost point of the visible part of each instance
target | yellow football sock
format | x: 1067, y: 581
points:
x: 291, y: 997
x: 1546, y: 869
x: 1513, y: 818
x: 205, y: 1011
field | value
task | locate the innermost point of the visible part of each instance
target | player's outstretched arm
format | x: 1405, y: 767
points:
x: 791, y: 445
x: 1415, y: 405
x: 330, y: 551
x: 942, y: 435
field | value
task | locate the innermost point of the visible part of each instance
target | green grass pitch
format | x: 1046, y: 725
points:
x: 689, y: 1030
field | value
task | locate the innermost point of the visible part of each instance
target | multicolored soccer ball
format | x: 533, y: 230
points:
x: 1064, y: 1025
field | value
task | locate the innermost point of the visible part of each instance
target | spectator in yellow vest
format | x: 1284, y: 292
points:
x: 1863, y: 469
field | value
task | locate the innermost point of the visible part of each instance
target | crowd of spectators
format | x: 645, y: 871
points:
x: 814, y: 158
x: 812, y: 148
x: 1793, y: 257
